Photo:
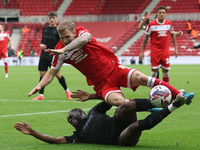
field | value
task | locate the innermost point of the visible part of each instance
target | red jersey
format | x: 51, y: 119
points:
x: 93, y: 60
x: 159, y: 34
x: 4, y: 41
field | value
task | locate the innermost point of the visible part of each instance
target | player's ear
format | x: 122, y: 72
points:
x: 81, y: 112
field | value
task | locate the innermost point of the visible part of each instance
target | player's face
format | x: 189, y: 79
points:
x: 67, y: 36
x: 161, y: 14
x: 74, y: 118
x: 52, y: 20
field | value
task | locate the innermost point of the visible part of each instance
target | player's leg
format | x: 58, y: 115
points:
x: 138, y: 78
x: 165, y: 65
x: 62, y: 81
x: 155, y: 65
x: 126, y: 115
x: 154, y: 73
x: 5, y: 60
x: 115, y: 98
x: 165, y: 74
x: 130, y: 135
x: 42, y: 68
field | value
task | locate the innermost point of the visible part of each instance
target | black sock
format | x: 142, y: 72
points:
x: 143, y: 104
x: 153, y: 119
x: 42, y: 89
x: 63, y: 83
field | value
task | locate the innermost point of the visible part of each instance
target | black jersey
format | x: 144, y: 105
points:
x: 97, y: 127
x: 50, y: 38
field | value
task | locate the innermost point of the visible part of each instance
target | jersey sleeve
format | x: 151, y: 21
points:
x: 171, y: 29
x: 82, y: 31
x: 7, y: 35
x: 70, y: 139
x: 57, y: 62
x: 148, y: 29
x: 102, y: 107
x: 42, y: 41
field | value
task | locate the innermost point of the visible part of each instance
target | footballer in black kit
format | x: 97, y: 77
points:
x: 50, y: 39
x: 97, y: 127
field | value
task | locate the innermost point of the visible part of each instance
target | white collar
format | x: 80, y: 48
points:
x: 159, y: 22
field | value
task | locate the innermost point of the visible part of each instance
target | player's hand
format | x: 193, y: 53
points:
x: 81, y: 95
x: 33, y: 91
x: 179, y: 33
x: 12, y: 48
x: 55, y: 51
x: 141, y: 57
x: 176, y: 53
x: 144, y: 19
x: 43, y: 46
x: 23, y: 127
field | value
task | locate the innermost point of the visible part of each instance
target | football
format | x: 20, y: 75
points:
x: 160, y: 96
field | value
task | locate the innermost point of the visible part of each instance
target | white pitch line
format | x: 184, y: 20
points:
x: 66, y: 101
x: 38, y: 113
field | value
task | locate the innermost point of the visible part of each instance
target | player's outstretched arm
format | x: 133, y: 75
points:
x: 26, y: 129
x: 84, y: 96
x: 49, y: 76
x: 173, y: 36
x: 177, y: 34
x: 77, y: 43
x: 143, y: 47
x: 141, y: 25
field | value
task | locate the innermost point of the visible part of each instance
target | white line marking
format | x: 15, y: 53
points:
x: 41, y: 113
x: 66, y: 101
x: 38, y: 113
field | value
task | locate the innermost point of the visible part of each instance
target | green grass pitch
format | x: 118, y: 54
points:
x: 181, y: 130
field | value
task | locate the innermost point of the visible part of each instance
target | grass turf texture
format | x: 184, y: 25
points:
x: 180, y: 130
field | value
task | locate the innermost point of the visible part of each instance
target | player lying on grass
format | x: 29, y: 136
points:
x: 98, y: 128
x: 99, y: 65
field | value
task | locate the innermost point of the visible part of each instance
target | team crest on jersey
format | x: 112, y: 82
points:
x: 67, y: 54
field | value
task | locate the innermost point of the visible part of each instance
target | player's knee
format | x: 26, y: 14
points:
x: 117, y: 100
x: 130, y: 136
x: 165, y: 74
x: 129, y: 106
x: 154, y: 74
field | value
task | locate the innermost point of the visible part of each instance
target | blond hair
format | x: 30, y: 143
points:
x: 66, y: 25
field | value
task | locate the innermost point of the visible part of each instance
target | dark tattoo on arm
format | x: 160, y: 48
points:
x: 137, y: 76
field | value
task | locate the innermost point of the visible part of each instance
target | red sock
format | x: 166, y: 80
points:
x: 6, y: 68
x: 166, y: 79
x: 153, y: 82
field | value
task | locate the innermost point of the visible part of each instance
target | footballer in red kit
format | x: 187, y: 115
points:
x: 159, y: 36
x: 99, y: 65
x: 96, y: 62
x: 4, y: 37
x: 159, y: 31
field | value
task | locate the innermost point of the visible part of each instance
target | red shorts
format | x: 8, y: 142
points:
x: 160, y: 61
x: 120, y: 77
x: 3, y: 54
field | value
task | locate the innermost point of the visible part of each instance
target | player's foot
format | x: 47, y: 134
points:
x: 39, y: 97
x: 153, y: 110
x: 6, y: 75
x: 68, y: 93
x: 188, y: 97
x: 182, y: 91
x: 179, y: 101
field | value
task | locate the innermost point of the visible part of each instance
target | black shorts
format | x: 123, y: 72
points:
x: 44, y: 63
